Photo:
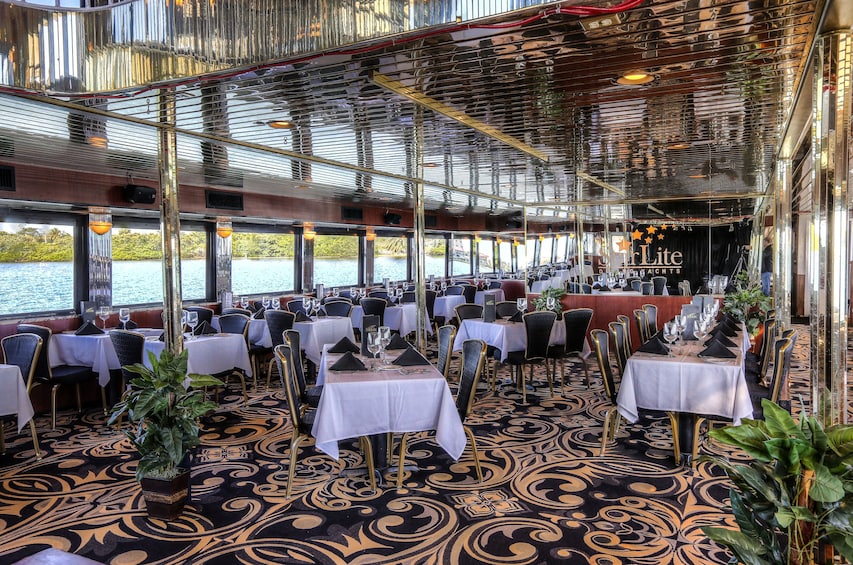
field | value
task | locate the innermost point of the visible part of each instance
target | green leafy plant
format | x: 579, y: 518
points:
x: 796, y: 493
x: 747, y: 303
x: 541, y: 303
x: 165, y: 412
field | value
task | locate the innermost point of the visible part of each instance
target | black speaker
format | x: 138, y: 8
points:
x: 138, y: 194
x: 392, y: 219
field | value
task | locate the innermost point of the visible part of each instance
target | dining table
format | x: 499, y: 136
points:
x: 208, y: 354
x: 95, y: 351
x: 445, y: 306
x: 402, y: 318
x: 13, y: 395
x: 321, y: 331
x: 259, y: 331
x: 480, y: 296
x: 390, y: 399
x: 686, y: 384
x: 503, y: 334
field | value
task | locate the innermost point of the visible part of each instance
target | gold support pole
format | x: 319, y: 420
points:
x: 170, y: 224
x: 419, y: 237
x: 783, y: 245
x: 828, y: 277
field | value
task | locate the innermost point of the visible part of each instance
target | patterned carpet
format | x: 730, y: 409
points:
x: 547, y: 497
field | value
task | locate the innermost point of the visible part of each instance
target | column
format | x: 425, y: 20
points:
x: 222, y: 257
x: 783, y: 245
x: 100, y: 257
x: 829, y: 284
x: 170, y: 224
x: 419, y: 238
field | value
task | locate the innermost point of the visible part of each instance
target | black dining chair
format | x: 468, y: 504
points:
x: 756, y: 364
x: 129, y: 347
x: 278, y: 321
x: 601, y: 346
x: 57, y: 375
x: 454, y: 290
x: 658, y: 285
x: 469, y: 291
x: 308, y: 395
x: 646, y: 288
x: 642, y: 325
x: 242, y: 311
x: 651, y: 319
x: 374, y: 306
x: 383, y: 294
x: 577, y: 322
x: 626, y: 321
x: 495, y: 285
x: 618, y: 333
x: 505, y: 308
x: 22, y: 350
x: 586, y: 288
x: 296, y: 305
x: 473, y: 361
x: 338, y: 307
x: 236, y: 324
x: 408, y: 297
x: 429, y: 297
x: 468, y: 312
x: 537, y: 329
x: 302, y: 419
x: 446, y: 335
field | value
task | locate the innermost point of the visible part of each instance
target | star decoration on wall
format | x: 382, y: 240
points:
x: 649, y: 239
x: 637, y: 234
x: 624, y: 245
x: 663, y: 227
x: 660, y: 236
x: 651, y: 229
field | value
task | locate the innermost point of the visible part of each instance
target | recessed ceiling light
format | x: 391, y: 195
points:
x: 635, y: 77
x: 280, y: 124
x: 697, y: 176
x: 678, y: 146
x: 430, y: 165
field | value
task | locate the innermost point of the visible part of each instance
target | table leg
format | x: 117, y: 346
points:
x: 686, y: 422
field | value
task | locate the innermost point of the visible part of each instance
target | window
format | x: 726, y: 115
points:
x: 486, y: 256
x: 529, y: 253
x: 545, y: 246
x: 562, y: 244
x: 138, y: 269
x: 435, y: 250
x: 36, y: 268
x: 261, y: 262
x: 389, y: 258
x: 461, y: 258
x: 505, y: 255
x: 336, y: 260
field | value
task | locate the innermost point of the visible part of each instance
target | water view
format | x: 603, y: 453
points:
x: 49, y: 285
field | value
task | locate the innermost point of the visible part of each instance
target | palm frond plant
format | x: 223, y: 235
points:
x: 747, y: 302
x: 796, y: 493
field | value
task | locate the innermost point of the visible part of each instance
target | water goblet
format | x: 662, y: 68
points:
x: 670, y: 335
x: 551, y: 303
x: 124, y: 316
x: 308, y: 305
x: 384, y: 342
x: 335, y: 292
x: 373, y: 344
x: 266, y: 302
x: 192, y: 322
x: 521, y: 304
x: 103, y: 314
x: 700, y: 329
x: 244, y: 301
x: 276, y: 303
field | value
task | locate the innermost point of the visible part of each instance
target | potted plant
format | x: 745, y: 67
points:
x: 541, y: 303
x: 747, y: 303
x: 165, y: 403
x: 796, y: 494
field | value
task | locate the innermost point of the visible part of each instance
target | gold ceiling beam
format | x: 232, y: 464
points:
x: 601, y: 183
x: 659, y: 199
x: 432, y: 104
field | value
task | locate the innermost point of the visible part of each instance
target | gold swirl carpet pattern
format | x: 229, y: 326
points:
x: 546, y: 497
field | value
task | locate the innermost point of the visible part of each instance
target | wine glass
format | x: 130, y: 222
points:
x: 266, y: 302
x: 384, y: 341
x: 335, y: 292
x: 373, y: 344
x: 276, y: 303
x: 124, y: 316
x: 670, y: 334
x: 700, y: 329
x: 244, y: 301
x: 192, y: 322
x: 308, y: 305
x: 680, y: 324
x: 103, y: 314
x: 551, y: 303
x: 521, y: 304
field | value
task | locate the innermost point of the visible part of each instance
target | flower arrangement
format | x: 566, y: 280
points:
x: 747, y: 303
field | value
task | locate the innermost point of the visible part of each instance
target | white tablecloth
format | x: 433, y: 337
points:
x: 209, y: 354
x: 95, y: 351
x: 259, y: 331
x: 506, y: 336
x: 445, y: 306
x: 13, y: 395
x: 538, y: 286
x: 326, y: 330
x: 403, y: 318
x: 480, y: 297
x: 375, y: 402
x: 684, y: 383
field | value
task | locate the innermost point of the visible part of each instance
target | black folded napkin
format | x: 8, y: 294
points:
x: 717, y: 349
x: 203, y: 328
x: 301, y: 317
x: 259, y: 313
x: 409, y: 358
x: 397, y: 342
x: 517, y: 317
x: 344, y: 345
x: 321, y: 313
x: 348, y: 362
x: 130, y: 325
x: 604, y: 289
x: 89, y: 329
x: 654, y: 345
x: 723, y: 329
x: 162, y: 336
x: 723, y: 340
